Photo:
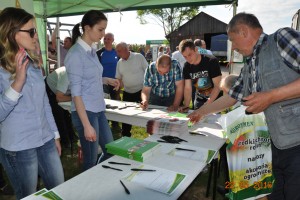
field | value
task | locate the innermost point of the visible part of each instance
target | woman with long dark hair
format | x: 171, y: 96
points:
x: 85, y: 75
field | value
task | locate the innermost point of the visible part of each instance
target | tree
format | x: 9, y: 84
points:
x: 169, y: 18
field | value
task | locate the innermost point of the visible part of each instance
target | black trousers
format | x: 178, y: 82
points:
x: 62, y: 118
x: 286, y: 171
x: 132, y: 97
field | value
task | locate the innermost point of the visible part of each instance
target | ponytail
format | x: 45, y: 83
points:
x: 75, y: 33
x: 90, y: 18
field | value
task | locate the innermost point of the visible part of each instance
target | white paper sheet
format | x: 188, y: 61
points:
x: 161, y: 180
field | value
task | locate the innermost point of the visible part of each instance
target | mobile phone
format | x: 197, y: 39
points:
x: 27, y: 56
x: 246, y: 112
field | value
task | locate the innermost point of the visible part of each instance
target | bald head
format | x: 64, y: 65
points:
x: 122, y: 45
x: 122, y: 50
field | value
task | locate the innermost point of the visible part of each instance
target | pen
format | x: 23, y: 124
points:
x: 145, y: 170
x: 126, y: 189
x: 152, y: 107
x: 108, y: 167
x: 247, y: 112
x: 185, y: 109
x: 167, y: 142
x: 183, y: 149
x: 118, y: 163
x: 180, y: 139
x: 197, y: 133
x: 162, y: 141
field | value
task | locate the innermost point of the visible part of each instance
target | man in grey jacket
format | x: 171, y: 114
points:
x: 269, y: 83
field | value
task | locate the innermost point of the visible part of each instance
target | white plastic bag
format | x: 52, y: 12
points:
x: 249, y: 154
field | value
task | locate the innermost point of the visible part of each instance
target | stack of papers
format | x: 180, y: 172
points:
x: 133, y: 148
x: 167, y: 126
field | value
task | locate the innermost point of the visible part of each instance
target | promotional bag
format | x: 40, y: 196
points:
x: 249, y: 155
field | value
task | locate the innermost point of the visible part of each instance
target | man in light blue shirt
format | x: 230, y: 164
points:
x: 201, y: 45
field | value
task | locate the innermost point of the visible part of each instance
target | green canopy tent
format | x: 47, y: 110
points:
x: 56, y: 8
x: 44, y: 9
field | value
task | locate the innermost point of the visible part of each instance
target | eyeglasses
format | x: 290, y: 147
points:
x: 31, y: 32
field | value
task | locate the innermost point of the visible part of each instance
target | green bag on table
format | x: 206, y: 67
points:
x: 249, y: 155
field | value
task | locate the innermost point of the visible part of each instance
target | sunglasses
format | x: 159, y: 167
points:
x: 31, y: 32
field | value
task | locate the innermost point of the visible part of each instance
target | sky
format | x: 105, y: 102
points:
x: 272, y: 14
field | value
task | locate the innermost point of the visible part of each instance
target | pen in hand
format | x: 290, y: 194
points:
x: 126, y: 189
x: 184, y: 109
x: 143, y: 105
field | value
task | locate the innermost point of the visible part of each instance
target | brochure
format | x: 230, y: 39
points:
x: 43, y: 194
x: 194, y: 153
x: 161, y: 180
x: 132, y: 148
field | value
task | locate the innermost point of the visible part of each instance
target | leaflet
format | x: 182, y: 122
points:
x: 43, y: 194
x: 193, y: 153
x: 161, y: 180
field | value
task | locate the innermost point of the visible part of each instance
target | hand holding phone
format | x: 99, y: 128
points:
x: 27, y: 56
x: 246, y: 112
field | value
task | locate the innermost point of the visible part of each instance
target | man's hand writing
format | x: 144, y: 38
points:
x: 144, y: 105
x: 172, y: 108
x: 183, y: 109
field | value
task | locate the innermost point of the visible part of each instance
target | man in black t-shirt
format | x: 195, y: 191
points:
x: 202, y: 72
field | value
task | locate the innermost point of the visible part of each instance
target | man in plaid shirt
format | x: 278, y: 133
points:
x: 270, y: 83
x: 163, y: 84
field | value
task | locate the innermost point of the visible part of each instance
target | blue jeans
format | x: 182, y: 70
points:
x: 161, y: 101
x: 286, y: 170
x: 23, y: 167
x: 103, y: 134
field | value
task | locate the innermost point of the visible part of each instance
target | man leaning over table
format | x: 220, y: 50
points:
x: 201, y: 72
x: 269, y: 83
x: 130, y: 72
x: 163, y: 84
